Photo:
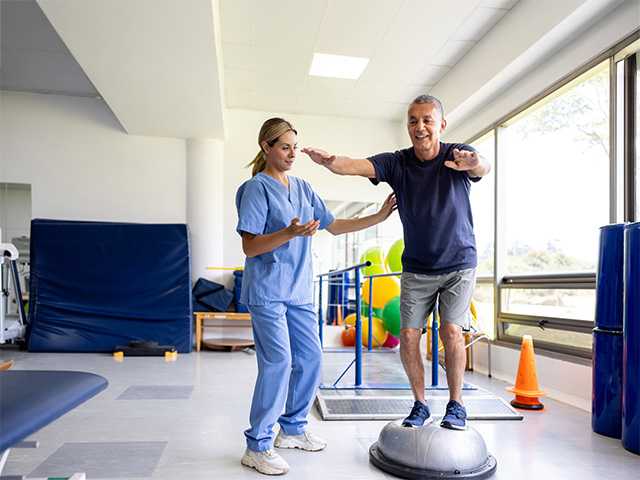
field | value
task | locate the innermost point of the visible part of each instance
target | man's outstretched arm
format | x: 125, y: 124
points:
x: 340, y: 164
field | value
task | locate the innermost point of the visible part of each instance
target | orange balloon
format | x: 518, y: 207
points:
x: 348, y: 336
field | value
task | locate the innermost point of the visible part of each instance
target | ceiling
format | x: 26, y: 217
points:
x: 155, y: 63
x: 34, y: 57
x: 171, y: 68
x: 411, y: 45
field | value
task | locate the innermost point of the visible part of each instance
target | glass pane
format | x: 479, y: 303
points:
x: 560, y: 303
x: 483, y: 300
x: 549, y: 335
x: 556, y: 174
x: 620, y: 141
x: 482, y: 201
x: 637, y: 136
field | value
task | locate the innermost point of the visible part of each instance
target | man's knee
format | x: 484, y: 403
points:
x: 410, y: 338
x: 451, y: 334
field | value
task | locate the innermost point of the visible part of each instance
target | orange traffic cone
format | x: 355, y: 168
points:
x: 526, y: 388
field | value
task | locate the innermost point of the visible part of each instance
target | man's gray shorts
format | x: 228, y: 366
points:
x: 453, y: 291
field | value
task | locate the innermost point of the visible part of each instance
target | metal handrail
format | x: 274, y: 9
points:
x: 358, y: 324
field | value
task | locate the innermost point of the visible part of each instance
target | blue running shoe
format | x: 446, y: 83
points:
x: 419, y: 416
x: 455, y: 417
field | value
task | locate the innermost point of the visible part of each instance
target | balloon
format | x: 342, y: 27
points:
x: 376, y: 257
x: 394, y: 256
x: 384, y: 289
x: 391, y: 316
x: 348, y: 336
x: 379, y: 333
x: 392, y: 342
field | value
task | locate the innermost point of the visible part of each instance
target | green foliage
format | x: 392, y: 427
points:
x: 581, y: 111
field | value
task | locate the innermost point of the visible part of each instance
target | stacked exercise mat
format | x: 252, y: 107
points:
x: 96, y: 285
x: 616, y: 336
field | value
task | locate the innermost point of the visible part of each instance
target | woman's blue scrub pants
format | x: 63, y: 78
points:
x: 289, y: 368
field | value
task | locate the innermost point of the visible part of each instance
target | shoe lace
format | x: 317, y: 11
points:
x: 419, y: 409
x: 457, y: 410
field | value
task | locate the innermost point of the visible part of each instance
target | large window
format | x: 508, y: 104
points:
x: 556, y: 174
x: 637, y: 135
x: 558, y: 182
x: 482, y: 206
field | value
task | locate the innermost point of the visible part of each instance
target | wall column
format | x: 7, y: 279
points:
x: 205, y: 209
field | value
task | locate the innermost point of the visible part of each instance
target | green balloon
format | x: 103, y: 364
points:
x: 364, y: 310
x: 391, y: 316
x: 394, y: 256
x: 376, y: 257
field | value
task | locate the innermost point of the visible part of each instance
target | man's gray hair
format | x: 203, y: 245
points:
x: 430, y: 99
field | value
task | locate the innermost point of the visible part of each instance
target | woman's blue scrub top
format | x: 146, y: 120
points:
x: 265, y: 206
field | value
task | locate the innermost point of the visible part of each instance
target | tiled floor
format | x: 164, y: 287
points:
x: 193, y: 430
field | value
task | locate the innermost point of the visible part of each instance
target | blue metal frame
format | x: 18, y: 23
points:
x: 358, y: 385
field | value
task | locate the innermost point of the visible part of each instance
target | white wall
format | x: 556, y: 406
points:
x: 82, y: 166
x: 347, y: 136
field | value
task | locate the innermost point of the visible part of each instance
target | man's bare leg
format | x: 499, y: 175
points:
x: 454, y: 358
x: 412, y: 360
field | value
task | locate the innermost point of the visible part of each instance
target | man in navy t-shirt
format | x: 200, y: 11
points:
x: 431, y: 181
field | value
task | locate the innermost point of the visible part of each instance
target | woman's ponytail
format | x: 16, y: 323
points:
x: 258, y: 163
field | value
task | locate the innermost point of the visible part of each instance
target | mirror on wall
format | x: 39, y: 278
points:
x: 15, y: 221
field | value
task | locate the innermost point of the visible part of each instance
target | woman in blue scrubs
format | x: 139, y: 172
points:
x: 277, y: 216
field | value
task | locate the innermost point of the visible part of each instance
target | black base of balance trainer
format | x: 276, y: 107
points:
x: 141, y: 348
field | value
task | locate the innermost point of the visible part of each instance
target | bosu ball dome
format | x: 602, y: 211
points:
x: 432, y: 452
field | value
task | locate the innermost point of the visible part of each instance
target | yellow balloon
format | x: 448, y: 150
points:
x: 379, y: 333
x: 384, y: 289
x: 350, y: 319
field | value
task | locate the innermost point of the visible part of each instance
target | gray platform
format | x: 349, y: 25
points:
x: 483, y: 406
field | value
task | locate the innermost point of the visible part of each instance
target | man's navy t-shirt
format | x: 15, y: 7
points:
x: 433, y: 203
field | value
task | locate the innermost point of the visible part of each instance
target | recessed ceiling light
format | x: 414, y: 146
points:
x: 337, y: 66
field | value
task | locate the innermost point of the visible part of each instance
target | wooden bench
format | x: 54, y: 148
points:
x: 200, y: 318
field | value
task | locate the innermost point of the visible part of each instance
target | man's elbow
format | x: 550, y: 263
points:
x: 332, y: 229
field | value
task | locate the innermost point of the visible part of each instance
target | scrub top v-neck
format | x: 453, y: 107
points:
x: 265, y: 206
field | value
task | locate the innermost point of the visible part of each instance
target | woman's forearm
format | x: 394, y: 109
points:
x: 342, y: 225
x: 254, y: 245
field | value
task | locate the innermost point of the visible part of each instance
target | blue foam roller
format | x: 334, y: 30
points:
x: 606, y: 400
x: 610, y: 278
x: 631, y: 358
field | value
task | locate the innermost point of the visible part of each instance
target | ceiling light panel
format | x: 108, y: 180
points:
x: 337, y: 66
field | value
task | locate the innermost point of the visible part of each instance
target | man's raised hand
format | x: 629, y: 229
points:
x: 319, y: 156
x: 463, y: 160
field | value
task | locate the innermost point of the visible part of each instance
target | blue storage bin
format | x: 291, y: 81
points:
x: 610, y: 278
x: 631, y: 358
x: 606, y: 399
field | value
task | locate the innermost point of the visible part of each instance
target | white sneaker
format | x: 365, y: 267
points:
x: 305, y: 441
x: 267, y: 462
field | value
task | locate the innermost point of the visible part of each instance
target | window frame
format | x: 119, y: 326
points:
x: 627, y: 50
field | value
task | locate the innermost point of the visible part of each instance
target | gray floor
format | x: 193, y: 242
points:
x: 193, y: 430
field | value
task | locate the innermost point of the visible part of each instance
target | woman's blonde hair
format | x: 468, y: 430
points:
x: 271, y: 130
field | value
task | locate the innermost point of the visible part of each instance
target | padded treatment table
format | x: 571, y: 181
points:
x: 31, y: 399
